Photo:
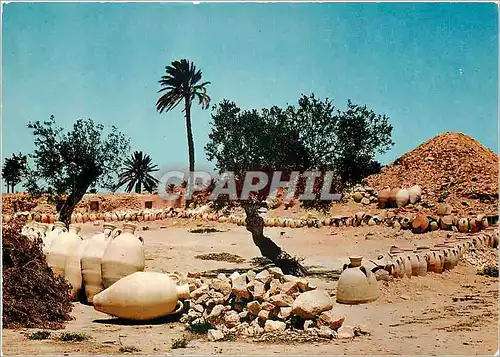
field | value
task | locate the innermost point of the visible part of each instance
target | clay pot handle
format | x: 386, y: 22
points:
x: 115, y: 233
x: 363, y: 269
x: 179, y: 309
x: 174, y: 277
x: 64, y: 229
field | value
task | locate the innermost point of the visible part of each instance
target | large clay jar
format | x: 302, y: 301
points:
x: 433, y: 225
x: 423, y: 254
x: 420, y: 223
x: 446, y: 222
x: 383, y: 198
x: 92, y: 259
x: 41, y: 230
x: 463, y: 225
x: 405, y: 222
x: 415, y: 194
x: 123, y: 256
x: 397, y: 256
x: 402, y: 198
x: 357, y: 284
x: 59, y: 227
x: 407, y: 262
x: 142, y: 296
x: 392, y: 196
x: 484, y: 221
x: 448, y: 258
x: 438, y: 260
x: 73, y: 270
x: 64, y: 244
x: 474, y: 225
x: 414, y: 261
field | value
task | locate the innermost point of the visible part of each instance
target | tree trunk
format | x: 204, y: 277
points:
x: 269, y: 249
x: 187, y: 105
x: 138, y: 187
x: 8, y: 187
x: 12, y: 190
x: 69, y: 205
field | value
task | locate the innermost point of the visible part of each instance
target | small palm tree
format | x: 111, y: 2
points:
x: 137, y: 172
x: 182, y: 82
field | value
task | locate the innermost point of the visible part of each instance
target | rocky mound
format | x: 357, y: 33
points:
x: 262, y: 305
x: 452, y: 168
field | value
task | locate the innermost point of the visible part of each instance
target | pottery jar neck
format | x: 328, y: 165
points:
x: 129, y: 229
x: 183, y: 291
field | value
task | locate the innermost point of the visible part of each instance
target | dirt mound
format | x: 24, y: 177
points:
x: 452, y: 168
x: 32, y: 296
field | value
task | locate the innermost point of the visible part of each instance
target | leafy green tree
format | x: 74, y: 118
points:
x: 360, y: 135
x: 13, y: 170
x: 137, y: 172
x: 183, y: 83
x: 68, y: 164
x: 312, y: 136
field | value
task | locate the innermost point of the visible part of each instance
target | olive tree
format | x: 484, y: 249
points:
x: 312, y: 136
x: 69, y: 163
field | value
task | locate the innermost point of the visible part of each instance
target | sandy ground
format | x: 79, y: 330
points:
x: 454, y: 313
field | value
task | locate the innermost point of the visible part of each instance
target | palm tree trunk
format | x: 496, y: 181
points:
x: 187, y: 105
x: 269, y: 249
x: 138, y: 188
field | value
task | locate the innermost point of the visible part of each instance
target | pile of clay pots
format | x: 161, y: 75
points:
x: 252, y: 304
x: 364, y: 195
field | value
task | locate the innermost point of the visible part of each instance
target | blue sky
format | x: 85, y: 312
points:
x: 430, y: 67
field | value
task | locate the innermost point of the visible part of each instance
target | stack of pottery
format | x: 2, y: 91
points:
x: 123, y: 256
x: 357, y: 284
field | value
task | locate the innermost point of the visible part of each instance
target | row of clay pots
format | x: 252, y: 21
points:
x: 441, y: 257
x: 418, y: 223
x: 398, y: 197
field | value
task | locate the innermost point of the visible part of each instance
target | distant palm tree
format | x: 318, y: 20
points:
x: 136, y: 173
x: 182, y: 83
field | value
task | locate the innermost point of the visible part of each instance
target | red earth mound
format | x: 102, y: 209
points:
x: 452, y: 168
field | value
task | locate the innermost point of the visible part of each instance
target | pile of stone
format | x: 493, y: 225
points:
x: 365, y: 195
x: 255, y: 304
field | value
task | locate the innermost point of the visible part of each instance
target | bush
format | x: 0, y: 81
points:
x: 33, y: 297
x: 73, y: 336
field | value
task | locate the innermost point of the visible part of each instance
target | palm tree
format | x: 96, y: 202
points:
x: 182, y: 82
x: 136, y: 173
